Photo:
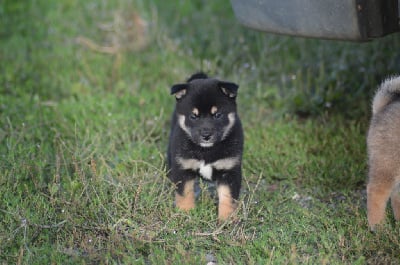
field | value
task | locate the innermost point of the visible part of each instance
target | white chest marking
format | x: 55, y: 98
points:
x: 206, y: 170
x: 226, y: 163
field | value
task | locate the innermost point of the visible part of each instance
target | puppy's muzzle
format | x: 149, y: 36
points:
x: 206, y: 134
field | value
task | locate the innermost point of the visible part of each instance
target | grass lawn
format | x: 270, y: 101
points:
x: 84, y: 124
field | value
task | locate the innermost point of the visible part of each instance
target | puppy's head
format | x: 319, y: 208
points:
x: 206, y: 109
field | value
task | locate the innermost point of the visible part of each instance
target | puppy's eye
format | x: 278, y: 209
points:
x: 194, y: 117
x: 217, y: 115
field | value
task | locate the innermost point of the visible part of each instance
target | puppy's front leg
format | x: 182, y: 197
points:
x: 184, y: 195
x: 229, y: 184
x: 226, y: 204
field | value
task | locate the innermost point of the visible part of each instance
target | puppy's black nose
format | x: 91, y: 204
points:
x: 206, y: 137
x: 206, y: 134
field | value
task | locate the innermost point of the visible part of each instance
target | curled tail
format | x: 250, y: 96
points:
x: 387, y: 92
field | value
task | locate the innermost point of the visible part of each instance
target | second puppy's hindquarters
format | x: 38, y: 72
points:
x: 383, y: 144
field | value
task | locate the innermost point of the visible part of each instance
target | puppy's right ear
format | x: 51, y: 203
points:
x: 179, y: 90
x: 228, y: 88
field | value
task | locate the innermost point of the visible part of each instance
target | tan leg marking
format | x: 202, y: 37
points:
x: 395, y: 200
x: 186, y: 201
x: 226, y: 204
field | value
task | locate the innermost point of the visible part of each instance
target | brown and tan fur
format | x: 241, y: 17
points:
x: 383, y: 144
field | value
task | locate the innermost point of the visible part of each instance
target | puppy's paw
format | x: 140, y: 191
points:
x: 185, y: 203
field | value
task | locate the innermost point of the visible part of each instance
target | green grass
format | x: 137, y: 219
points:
x: 83, y: 135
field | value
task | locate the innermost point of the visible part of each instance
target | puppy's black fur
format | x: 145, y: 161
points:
x: 206, y: 140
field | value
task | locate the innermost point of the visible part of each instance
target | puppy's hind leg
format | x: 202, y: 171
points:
x: 378, y: 193
x: 395, y: 200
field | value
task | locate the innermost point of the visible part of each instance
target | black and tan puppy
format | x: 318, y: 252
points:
x: 383, y: 143
x: 206, y: 141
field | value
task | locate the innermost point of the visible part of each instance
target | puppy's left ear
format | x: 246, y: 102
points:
x: 179, y: 90
x: 228, y: 88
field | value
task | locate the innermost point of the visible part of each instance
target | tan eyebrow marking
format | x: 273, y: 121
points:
x: 195, y: 111
x: 214, y: 110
